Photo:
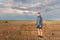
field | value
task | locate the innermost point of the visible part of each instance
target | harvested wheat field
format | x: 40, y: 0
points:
x: 26, y: 30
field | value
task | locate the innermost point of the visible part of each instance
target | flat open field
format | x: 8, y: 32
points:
x: 26, y: 30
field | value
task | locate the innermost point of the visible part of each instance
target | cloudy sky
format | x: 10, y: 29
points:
x: 27, y: 9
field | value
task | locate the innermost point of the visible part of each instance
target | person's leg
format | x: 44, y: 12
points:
x: 41, y: 34
x: 38, y: 31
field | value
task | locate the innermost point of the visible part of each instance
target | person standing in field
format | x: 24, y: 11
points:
x: 39, y: 24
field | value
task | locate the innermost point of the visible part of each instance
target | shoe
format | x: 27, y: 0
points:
x: 40, y: 36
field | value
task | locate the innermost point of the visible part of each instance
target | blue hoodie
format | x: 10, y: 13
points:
x: 39, y: 21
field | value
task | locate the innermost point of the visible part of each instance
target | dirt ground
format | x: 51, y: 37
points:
x: 26, y: 30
